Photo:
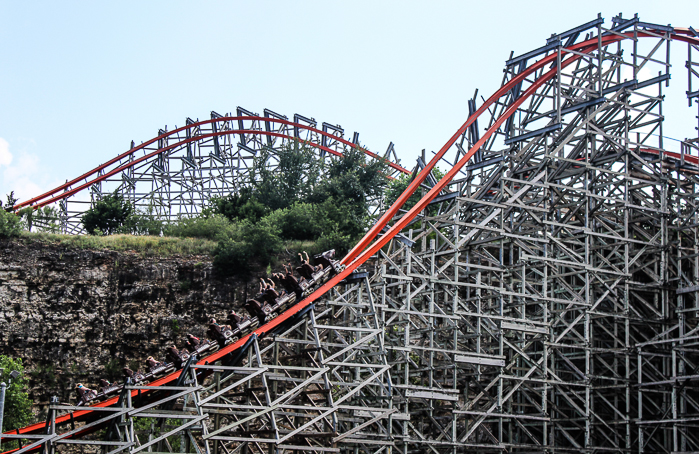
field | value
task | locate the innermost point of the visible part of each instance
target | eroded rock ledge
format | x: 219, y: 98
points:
x: 77, y: 315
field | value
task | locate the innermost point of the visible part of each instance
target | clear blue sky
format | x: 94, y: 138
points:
x: 80, y: 80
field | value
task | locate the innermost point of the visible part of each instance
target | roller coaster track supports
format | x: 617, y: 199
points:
x: 176, y: 174
x: 546, y: 302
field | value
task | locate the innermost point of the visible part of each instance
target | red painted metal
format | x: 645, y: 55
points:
x: 582, y: 47
x: 194, y: 139
x: 116, y: 170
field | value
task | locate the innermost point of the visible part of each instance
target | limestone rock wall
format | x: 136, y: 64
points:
x: 79, y: 315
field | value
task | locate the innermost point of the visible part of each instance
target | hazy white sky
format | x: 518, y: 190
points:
x: 80, y: 80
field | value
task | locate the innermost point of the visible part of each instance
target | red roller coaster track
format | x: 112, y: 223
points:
x: 367, y: 247
x: 50, y: 197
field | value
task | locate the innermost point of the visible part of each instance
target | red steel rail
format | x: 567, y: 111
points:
x: 45, y: 198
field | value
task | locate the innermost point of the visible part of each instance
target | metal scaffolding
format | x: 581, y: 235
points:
x: 547, y: 301
x: 176, y: 174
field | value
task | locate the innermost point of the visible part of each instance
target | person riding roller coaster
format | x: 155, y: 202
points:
x: 306, y: 269
x: 255, y: 309
x: 290, y: 283
x: 270, y: 293
x: 193, y: 342
x: 152, y: 364
x: 84, y: 394
x: 104, y: 385
x: 178, y: 357
x: 234, y: 319
x: 219, y: 333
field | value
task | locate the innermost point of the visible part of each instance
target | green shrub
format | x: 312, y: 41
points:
x: 107, y: 215
x: 232, y: 257
x: 18, y: 407
x: 298, y: 222
x: 141, y: 224
x: 44, y: 219
x: 263, y: 237
x: 253, y: 247
x: 241, y: 205
x: 10, y: 224
x: 216, y: 228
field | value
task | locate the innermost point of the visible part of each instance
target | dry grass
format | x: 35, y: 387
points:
x: 149, y: 246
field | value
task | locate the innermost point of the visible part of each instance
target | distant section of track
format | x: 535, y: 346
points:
x: 97, y: 174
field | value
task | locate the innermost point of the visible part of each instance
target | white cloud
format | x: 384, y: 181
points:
x: 20, y: 172
x: 5, y: 155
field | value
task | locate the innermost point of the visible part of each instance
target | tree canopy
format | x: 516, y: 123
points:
x: 18, y: 407
x: 108, y: 214
x: 290, y: 195
x: 304, y: 198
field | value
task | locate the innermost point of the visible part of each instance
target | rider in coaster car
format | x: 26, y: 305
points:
x: 83, y: 392
x: 280, y: 278
x: 151, y: 363
x: 234, y: 319
x: 270, y: 293
x: 104, y: 384
x: 214, y: 328
x: 254, y: 308
x: 290, y: 283
x: 217, y: 331
x: 324, y: 259
x: 172, y: 353
x: 306, y: 269
x: 175, y: 355
x: 193, y: 342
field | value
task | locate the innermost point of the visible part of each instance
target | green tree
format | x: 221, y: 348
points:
x: 44, y: 219
x: 18, y: 407
x: 294, y: 178
x: 10, y: 224
x: 108, y: 214
x: 10, y: 201
x: 343, y: 197
x: 397, y: 186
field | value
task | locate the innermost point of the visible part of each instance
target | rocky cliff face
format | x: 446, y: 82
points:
x: 80, y: 315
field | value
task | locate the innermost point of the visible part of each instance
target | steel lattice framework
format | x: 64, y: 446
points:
x: 175, y: 174
x: 542, y: 296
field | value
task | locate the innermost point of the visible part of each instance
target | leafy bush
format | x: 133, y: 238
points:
x: 263, y: 237
x: 18, y: 407
x: 216, y: 227
x: 232, y: 257
x: 44, y: 219
x: 298, y: 222
x: 255, y: 246
x: 107, y: 215
x: 242, y: 205
x: 10, y: 224
x: 140, y: 223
